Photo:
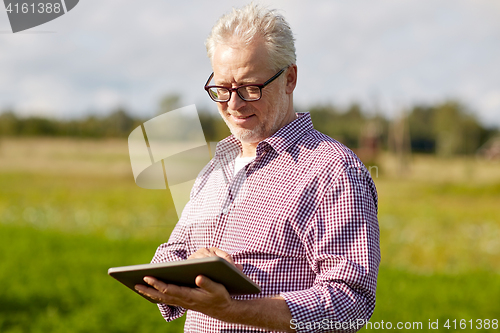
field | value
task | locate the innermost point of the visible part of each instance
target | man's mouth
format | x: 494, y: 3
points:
x: 241, y: 119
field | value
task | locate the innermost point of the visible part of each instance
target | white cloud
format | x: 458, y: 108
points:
x: 122, y: 52
x: 106, y: 98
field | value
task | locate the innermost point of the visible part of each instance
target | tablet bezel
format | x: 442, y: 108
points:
x: 183, y: 273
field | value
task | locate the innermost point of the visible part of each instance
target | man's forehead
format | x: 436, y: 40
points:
x: 239, y: 77
x: 239, y: 64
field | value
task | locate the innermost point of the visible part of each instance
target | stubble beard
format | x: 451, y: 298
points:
x: 265, y: 128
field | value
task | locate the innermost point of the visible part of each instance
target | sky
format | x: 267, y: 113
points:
x: 385, y: 54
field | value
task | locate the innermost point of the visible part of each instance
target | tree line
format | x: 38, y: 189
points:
x: 446, y: 128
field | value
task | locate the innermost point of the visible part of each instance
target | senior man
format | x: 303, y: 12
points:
x: 294, y: 209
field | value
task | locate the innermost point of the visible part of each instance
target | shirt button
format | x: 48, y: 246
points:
x: 224, y: 211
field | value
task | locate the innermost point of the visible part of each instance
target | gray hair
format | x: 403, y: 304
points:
x: 253, y: 21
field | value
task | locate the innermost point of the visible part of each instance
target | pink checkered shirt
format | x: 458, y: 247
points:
x: 301, y: 219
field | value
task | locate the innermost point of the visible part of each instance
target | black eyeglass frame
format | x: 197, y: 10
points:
x: 260, y: 86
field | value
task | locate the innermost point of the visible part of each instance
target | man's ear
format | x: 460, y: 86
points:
x: 291, y: 78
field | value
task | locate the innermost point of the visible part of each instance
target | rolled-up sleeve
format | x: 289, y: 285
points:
x: 342, y: 246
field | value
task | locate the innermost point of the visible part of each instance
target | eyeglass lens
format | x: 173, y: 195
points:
x: 249, y: 93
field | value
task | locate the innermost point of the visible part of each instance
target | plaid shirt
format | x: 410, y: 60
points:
x: 301, y: 219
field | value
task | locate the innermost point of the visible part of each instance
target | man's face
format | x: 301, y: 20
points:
x: 251, y: 122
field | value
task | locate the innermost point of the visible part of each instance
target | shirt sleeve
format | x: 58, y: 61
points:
x: 342, y: 248
x: 173, y: 250
x: 177, y: 248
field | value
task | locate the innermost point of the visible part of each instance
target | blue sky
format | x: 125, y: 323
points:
x: 386, y: 54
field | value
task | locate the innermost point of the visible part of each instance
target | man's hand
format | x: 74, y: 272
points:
x: 210, y: 298
x: 213, y: 251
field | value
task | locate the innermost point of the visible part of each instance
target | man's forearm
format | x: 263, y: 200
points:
x: 213, y: 300
x: 269, y: 313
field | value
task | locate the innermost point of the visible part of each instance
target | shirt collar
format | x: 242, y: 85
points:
x: 279, y: 141
x: 288, y: 134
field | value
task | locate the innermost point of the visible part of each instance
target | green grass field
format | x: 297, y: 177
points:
x: 69, y: 210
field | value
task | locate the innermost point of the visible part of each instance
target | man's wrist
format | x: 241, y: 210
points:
x: 268, y: 313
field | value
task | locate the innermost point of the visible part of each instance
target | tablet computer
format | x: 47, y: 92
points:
x: 183, y: 273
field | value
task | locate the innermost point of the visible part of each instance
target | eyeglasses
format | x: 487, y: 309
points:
x: 247, y: 92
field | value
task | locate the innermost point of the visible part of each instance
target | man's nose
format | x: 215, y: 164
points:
x: 235, y: 102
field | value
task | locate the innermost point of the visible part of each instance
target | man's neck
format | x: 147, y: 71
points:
x: 249, y: 149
